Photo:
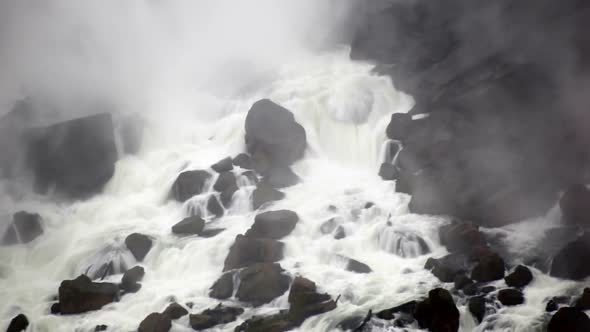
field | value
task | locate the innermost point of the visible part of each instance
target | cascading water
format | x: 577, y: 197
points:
x: 344, y: 109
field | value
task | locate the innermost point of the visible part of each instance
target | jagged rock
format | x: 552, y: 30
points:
x: 490, y: 266
x: 246, y: 251
x: 461, y: 237
x: 18, y: 324
x: 447, y: 267
x: 273, y: 224
x: 82, y: 295
x: 281, y: 177
x: 77, y: 156
x: 305, y: 301
x: 521, y: 277
x: 273, y: 137
x: 214, y: 207
x: 477, y: 307
x: 226, y: 184
x: 175, y: 311
x: 575, y: 205
x: 223, y: 288
x: 570, y: 320
x: 139, y: 245
x: 388, y: 172
x: 131, y: 277
x: 260, y: 283
x: 155, y: 322
x: 357, y: 267
x: 583, y: 303
x: 216, y: 316
x: 510, y: 297
x: 224, y: 165
x: 189, y: 184
x: 264, y: 193
x: 438, y: 312
x: 189, y: 226
x: 25, y: 228
x: 244, y: 161
x: 567, y: 263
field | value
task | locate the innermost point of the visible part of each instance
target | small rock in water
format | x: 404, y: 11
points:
x: 139, y: 245
x: 155, y: 322
x: 521, y: 277
x: 55, y: 309
x: 100, y: 328
x: 551, y: 306
x: 247, y: 251
x: 510, y: 297
x: 340, y: 233
x: 175, y: 311
x: 358, y: 267
x: 18, y: 324
x: 224, y: 165
x: 189, y: 226
x: 487, y: 289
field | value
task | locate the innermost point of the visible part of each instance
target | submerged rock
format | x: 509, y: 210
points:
x: 215, y: 316
x: 18, y: 324
x: 357, y: 267
x: 520, y: 277
x: 139, y: 245
x: 570, y: 320
x: 82, y: 295
x: 189, y: 226
x: 247, y: 251
x: 273, y: 224
x: 155, y: 322
x: 189, y: 184
x: 260, y: 283
x: 263, y: 194
x: 25, y: 228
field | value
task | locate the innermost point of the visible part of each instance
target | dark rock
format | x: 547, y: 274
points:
x: 583, y: 303
x: 568, y: 263
x: 139, y: 245
x: 438, y: 312
x: 131, y: 130
x: 155, y: 322
x: 281, y: 177
x: 273, y: 138
x: 575, y: 205
x: 570, y: 320
x: 447, y: 268
x: 261, y: 283
x: 224, y: 165
x: 250, y: 176
x: 18, y: 324
x: 130, y: 279
x: 551, y: 306
x: 305, y: 301
x: 189, y: 184
x: 189, y: 226
x: 226, y: 184
x: 216, y: 316
x: 211, y: 232
x: 477, y: 307
x: 510, y: 297
x: 389, y: 314
x: 82, y: 295
x: 521, y: 277
x: 368, y: 205
x: 264, y: 193
x: 398, y: 126
x: 77, y: 156
x: 223, y: 288
x: 100, y: 328
x: 55, y: 309
x: 175, y: 311
x: 357, y: 267
x: 340, y: 233
x: 461, y: 281
x: 461, y: 237
x: 471, y: 289
x: 487, y: 289
x: 244, y: 161
x: 388, y: 172
x: 352, y: 324
x: 490, y: 266
x: 275, y: 323
x: 329, y: 225
x: 247, y: 251
x: 25, y: 228
x: 214, y: 207
x: 273, y: 224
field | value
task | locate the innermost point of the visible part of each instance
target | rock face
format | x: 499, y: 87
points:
x: 484, y: 80
x: 189, y: 184
x: 569, y: 319
x: 155, y: 322
x: 25, y: 228
x: 77, y: 156
x: 273, y: 137
x: 575, y: 205
x: 569, y: 261
x: 216, y: 316
x: 139, y: 245
x: 520, y: 277
x: 510, y: 297
x: 438, y: 312
x: 82, y: 295
x: 18, y: 324
x: 247, y: 251
x: 189, y: 226
x: 273, y: 224
x: 261, y: 283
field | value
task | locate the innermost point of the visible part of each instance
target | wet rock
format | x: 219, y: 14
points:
x: 305, y: 301
x: 470, y: 289
x: 131, y: 277
x: 224, y: 165
x: 99, y: 328
x: 447, y: 268
x: 340, y: 233
x: 261, y: 283
x: 510, y: 297
x: 139, y: 245
x: 189, y: 226
x: 477, y: 307
x: 206, y: 233
x: 551, y: 306
x: 389, y: 314
x: 461, y: 237
x: 18, y: 324
x: 583, y: 303
x: 82, y: 295
x: 189, y: 184
x: 570, y: 320
x: 575, y: 205
x: 490, y: 266
x: 461, y: 281
x: 388, y: 172
x: 487, y: 289
x: 214, y: 207
x: 246, y: 251
x: 568, y: 263
x: 216, y: 316
x: 273, y: 137
x: 155, y: 322
x: 25, y: 228
x: 368, y: 205
x: 352, y: 324
x: 438, y: 312
x: 329, y: 225
x: 398, y: 126
x: 223, y: 288
x: 273, y: 224
x: 244, y: 161
x: 175, y: 311
x: 357, y: 267
x: 281, y: 177
x: 77, y: 157
x: 520, y: 277
x: 55, y: 309
x: 263, y: 194
x: 226, y: 184
x: 275, y: 323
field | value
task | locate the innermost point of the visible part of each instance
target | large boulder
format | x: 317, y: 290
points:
x: 520, y: 277
x: 223, y: 288
x: 261, y: 283
x: 25, y: 227
x: 247, y: 251
x: 82, y: 295
x: 189, y: 184
x: 570, y: 320
x: 139, y: 245
x: 155, y: 322
x: 438, y: 312
x: 273, y: 224
x: 570, y: 262
x: 575, y: 205
x: 77, y: 157
x: 18, y: 324
x: 358, y: 267
x: 510, y: 297
x: 189, y: 226
x: 215, y: 316
x: 273, y: 137
x: 490, y: 266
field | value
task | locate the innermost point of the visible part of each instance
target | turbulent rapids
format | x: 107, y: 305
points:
x: 351, y: 231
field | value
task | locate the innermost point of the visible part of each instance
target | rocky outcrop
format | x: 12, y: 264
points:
x: 438, y: 312
x: 139, y: 245
x: 247, y: 251
x: 213, y: 317
x: 273, y: 224
x: 189, y: 184
x: 25, y: 227
x: 189, y: 226
x: 82, y: 295
x: 260, y: 283
x: 569, y: 319
x: 520, y: 277
x: 18, y: 324
x: 510, y: 297
x: 155, y: 322
x: 568, y: 263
